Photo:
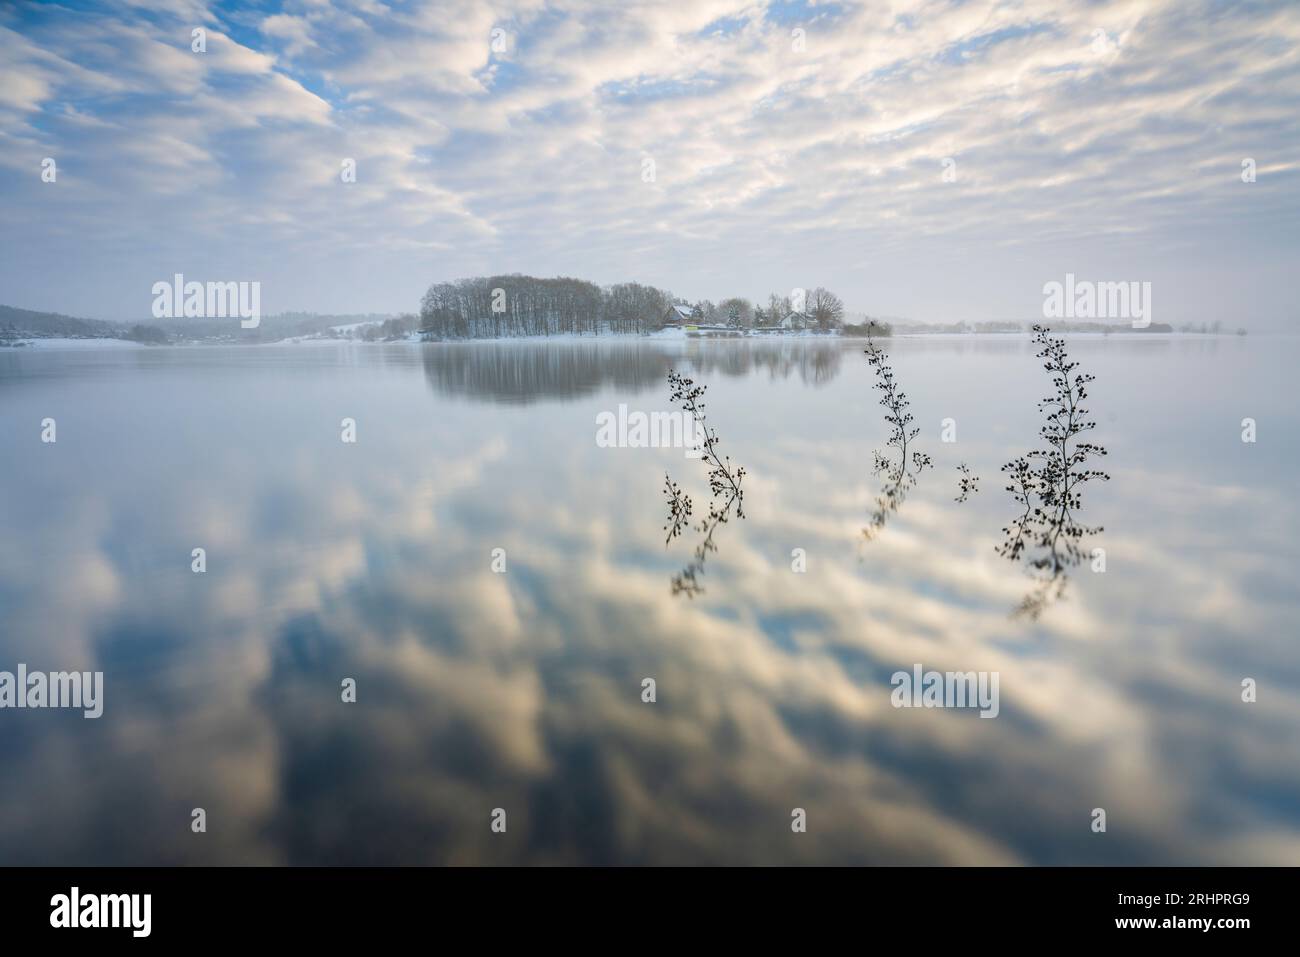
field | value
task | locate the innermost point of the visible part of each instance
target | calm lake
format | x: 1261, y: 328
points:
x: 514, y: 679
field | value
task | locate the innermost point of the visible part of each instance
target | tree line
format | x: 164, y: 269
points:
x: 491, y: 307
x: 817, y: 309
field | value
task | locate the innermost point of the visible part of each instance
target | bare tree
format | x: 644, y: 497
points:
x: 825, y: 308
x: 778, y: 307
x: 515, y: 305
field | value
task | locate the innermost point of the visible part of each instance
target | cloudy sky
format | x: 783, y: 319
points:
x: 714, y: 148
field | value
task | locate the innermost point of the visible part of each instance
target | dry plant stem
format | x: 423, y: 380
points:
x: 1050, y: 494
x: 724, y: 483
x: 900, y: 476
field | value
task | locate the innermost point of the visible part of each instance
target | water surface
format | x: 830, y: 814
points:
x: 521, y: 690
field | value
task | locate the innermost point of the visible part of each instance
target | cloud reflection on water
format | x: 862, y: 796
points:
x: 521, y: 690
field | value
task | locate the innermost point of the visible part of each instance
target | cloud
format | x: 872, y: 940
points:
x: 1114, y: 127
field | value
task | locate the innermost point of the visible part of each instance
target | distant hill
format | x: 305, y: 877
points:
x: 271, y: 328
x: 19, y: 323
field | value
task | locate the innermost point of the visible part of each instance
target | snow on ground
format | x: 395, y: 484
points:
x: 660, y: 335
x: 354, y: 326
x: 69, y: 343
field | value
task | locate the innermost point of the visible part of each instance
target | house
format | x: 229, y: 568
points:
x: 679, y: 315
x: 795, y: 321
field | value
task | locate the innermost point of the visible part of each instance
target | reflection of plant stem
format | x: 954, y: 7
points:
x: 679, y: 509
x: 900, y: 477
x: 685, y: 580
x: 723, y: 481
x: 1040, y: 596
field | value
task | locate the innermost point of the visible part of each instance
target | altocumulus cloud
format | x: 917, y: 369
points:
x: 793, y: 144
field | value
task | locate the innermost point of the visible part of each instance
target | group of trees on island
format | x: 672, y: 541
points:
x: 515, y: 305
x: 494, y: 306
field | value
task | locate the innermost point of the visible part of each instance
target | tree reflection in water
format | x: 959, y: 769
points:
x: 523, y: 372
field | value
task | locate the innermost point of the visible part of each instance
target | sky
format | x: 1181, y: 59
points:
x: 926, y: 159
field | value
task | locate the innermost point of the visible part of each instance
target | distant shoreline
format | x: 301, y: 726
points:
x: 23, y: 328
x: 44, y: 343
